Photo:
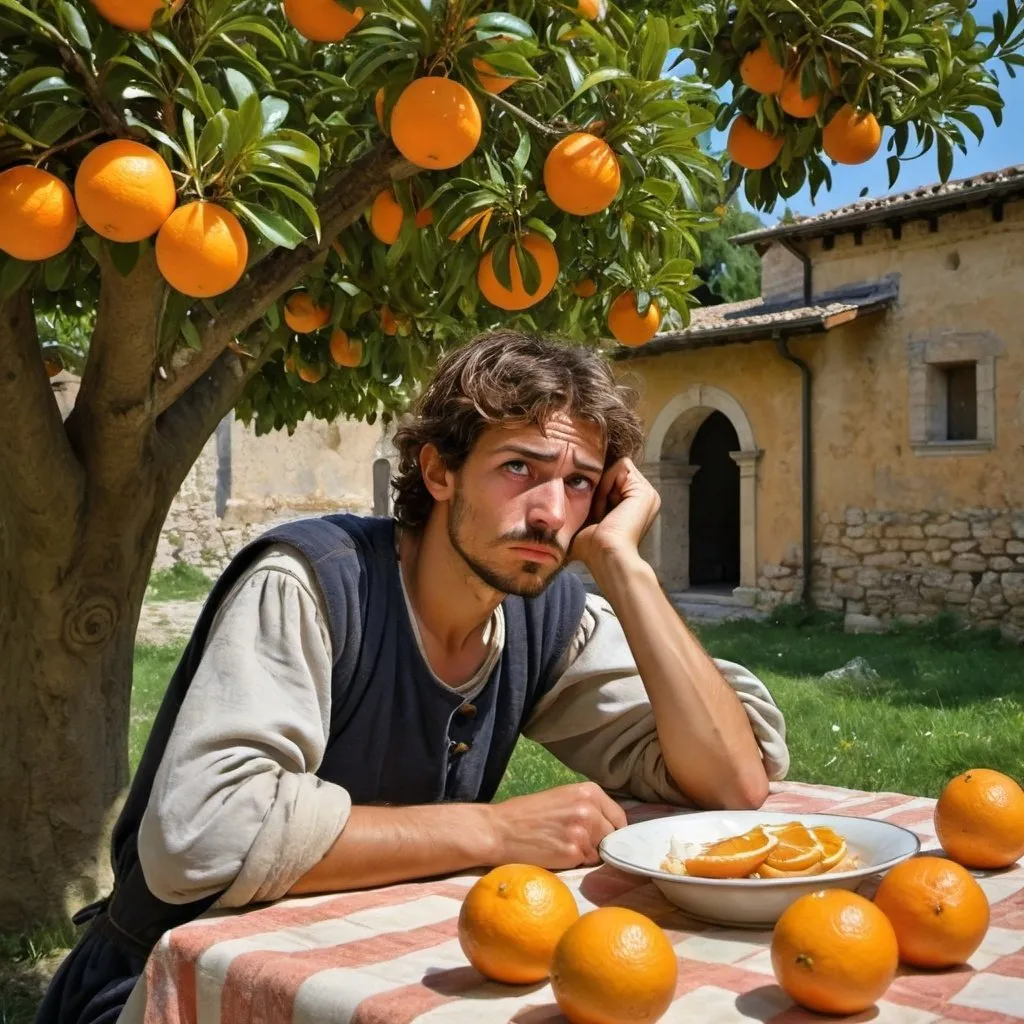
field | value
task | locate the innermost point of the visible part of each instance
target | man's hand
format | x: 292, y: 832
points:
x: 625, y: 506
x: 557, y: 829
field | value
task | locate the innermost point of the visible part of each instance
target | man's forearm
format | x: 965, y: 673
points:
x: 705, y: 737
x: 384, y: 845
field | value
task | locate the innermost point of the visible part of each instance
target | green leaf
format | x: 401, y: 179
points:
x: 188, y: 122
x: 124, y: 256
x: 893, y: 166
x: 594, y: 79
x: 255, y: 26
x: 13, y: 5
x: 159, y: 135
x: 214, y: 134
x: 654, y: 50
x: 301, y: 201
x: 501, y: 22
x: 294, y: 146
x: 239, y: 86
x: 14, y: 274
x: 190, y: 334
x: 271, y: 226
x: 182, y: 64
x: 275, y: 113
x: 55, y: 271
x: 75, y: 24
x: 522, y: 155
x: 250, y: 121
x: 57, y: 124
x: 945, y: 156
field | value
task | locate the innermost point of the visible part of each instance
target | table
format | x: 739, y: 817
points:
x: 391, y: 955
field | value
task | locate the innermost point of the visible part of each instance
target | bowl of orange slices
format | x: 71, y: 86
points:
x: 743, y: 868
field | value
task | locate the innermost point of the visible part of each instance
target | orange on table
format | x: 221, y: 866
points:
x: 979, y: 819
x: 834, y: 952
x: 614, y: 966
x: 511, y: 921
x: 938, y: 910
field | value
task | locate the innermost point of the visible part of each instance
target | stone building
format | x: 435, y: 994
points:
x: 864, y: 416
x: 243, y: 484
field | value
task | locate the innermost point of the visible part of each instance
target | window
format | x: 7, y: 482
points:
x: 961, y: 387
x: 952, y: 380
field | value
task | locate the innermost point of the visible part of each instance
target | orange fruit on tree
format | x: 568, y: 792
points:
x: 386, y: 216
x: 202, y: 250
x: 133, y: 15
x: 38, y: 218
x: 936, y: 907
x: 312, y: 374
x: 614, y: 965
x: 322, y: 21
x: 979, y: 819
x: 52, y: 365
x: 490, y: 79
x: 628, y: 327
x: 736, y: 857
x: 124, y: 190
x: 750, y: 147
x: 289, y: 364
x: 388, y: 321
x: 760, y: 70
x: 511, y: 921
x: 424, y: 217
x: 592, y: 10
x: 345, y: 351
x: 435, y: 123
x: 518, y: 297
x: 378, y: 105
x: 834, y: 952
x: 581, y: 174
x: 303, y: 315
x: 791, y: 97
x: 585, y: 288
x: 851, y: 136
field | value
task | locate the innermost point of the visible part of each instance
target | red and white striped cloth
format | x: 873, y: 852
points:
x: 392, y: 956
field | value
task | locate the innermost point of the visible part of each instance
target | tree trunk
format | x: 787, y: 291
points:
x: 67, y: 637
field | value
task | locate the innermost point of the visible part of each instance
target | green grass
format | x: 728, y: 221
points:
x: 182, y: 582
x: 945, y: 700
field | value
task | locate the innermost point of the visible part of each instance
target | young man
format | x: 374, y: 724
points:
x: 354, y: 687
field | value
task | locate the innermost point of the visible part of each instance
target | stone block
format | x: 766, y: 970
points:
x: 937, y: 544
x: 835, y: 557
x: 961, y: 547
x: 992, y: 546
x: 1015, y: 547
x: 830, y: 535
x: 953, y: 530
x: 1013, y: 587
x: 854, y: 517
x: 957, y: 597
x: 868, y: 577
x: 1000, y: 563
x: 969, y: 563
x: 913, y: 544
x: 856, y: 623
x: 890, y: 559
x: 904, y: 532
x: 848, y: 591
x: 853, y: 532
x: 942, y: 557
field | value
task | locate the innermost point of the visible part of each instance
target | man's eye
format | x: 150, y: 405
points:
x: 517, y: 466
x: 581, y: 483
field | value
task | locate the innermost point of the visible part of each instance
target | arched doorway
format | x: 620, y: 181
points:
x: 712, y: 420
x: 715, y: 505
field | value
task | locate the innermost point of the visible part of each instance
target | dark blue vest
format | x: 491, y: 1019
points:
x: 397, y: 736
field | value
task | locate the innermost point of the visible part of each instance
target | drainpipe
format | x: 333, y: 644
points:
x: 807, y: 484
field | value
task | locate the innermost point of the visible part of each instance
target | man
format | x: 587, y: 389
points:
x: 354, y: 687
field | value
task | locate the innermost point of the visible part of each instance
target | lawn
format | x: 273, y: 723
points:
x: 943, y: 701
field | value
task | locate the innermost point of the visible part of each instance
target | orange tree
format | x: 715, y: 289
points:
x: 292, y: 208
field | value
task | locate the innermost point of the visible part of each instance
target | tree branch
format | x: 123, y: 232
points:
x: 43, y: 482
x: 114, y: 414
x: 346, y: 194
x: 111, y: 120
x: 182, y: 431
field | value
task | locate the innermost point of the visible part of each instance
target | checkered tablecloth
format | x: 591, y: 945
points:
x: 392, y: 956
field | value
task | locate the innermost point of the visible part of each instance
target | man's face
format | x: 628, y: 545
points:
x: 521, y: 497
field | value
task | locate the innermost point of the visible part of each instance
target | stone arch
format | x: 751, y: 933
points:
x: 667, y: 466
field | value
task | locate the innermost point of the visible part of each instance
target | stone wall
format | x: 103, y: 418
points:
x: 876, y: 567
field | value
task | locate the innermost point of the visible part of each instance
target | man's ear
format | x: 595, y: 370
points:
x: 437, y: 478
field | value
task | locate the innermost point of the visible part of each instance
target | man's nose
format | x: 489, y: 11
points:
x: 547, y: 505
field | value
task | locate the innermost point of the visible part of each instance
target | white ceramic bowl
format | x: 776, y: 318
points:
x: 750, y: 902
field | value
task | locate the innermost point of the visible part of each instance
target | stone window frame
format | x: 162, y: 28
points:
x: 926, y: 358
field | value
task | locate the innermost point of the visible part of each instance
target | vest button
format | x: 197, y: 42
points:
x: 461, y: 748
x: 467, y: 710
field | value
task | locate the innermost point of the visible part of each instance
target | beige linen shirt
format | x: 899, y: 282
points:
x: 236, y: 805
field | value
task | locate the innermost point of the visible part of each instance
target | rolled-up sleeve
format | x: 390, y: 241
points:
x: 597, y: 718
x: 235, y: 806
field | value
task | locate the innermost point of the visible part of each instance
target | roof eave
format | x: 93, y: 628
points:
x: 716, y: 337
x: 898, y: 213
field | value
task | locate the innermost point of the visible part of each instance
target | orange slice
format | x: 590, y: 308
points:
x: 833, y: 845
x: 797, y: 849
x: 732, y: 858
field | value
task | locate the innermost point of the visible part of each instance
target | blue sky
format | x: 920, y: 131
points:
x: 999, y: 148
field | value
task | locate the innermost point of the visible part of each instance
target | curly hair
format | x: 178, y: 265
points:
x: 509, y: 378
